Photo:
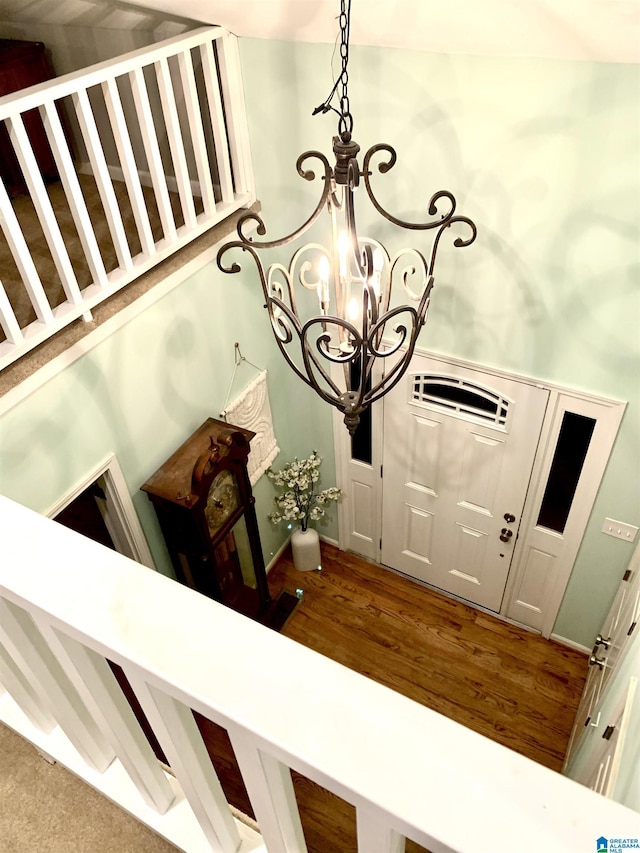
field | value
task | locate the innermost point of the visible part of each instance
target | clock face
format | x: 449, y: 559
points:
x: 222, y: 501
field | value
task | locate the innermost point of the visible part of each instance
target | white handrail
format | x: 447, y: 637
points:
x: 178, y: 128
x: 408, y: 771
x: 65, y: 85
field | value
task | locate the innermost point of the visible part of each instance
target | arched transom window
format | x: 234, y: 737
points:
x: 460, y: 397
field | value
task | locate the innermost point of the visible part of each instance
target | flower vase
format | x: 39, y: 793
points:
x: 305, y: 546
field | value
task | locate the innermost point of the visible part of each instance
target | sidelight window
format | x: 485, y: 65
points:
x: 571, y: 450
x: 361, y: 441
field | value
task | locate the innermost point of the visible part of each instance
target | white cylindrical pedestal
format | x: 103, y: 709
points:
x: 305, y: 546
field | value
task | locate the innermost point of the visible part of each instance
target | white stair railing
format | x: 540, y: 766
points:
x: 167, y: 119
x: 67, y: 605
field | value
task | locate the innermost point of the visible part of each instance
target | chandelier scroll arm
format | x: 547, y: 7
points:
x: 270, y: 288
x: 366, y: 369
x: 370, y: 303
x: 235, y: 266
x: 353, y: 181
x: 459, y: 242
x: 307, y: 175
x: 281, y: 343
x: 269, y: 299
x: 401, y: 309
x: 342, y: 357
x: 399, y: 261
x: 424, y: 302
x: 334, y: 201
x: 391, y: 379
x: 398, y: 369
x: 386, y: 166
x: 310, y: 358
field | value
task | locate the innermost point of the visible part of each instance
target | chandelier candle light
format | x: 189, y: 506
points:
x: 335, y: 351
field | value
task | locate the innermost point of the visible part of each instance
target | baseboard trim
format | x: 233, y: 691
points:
x: 274, y: 559
x: 117, y: 174
x: 570, y: 644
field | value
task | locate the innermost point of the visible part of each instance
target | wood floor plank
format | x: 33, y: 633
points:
x: 506, y: 683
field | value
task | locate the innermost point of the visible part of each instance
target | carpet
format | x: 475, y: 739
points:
x: 46, y: 809
x: 32, y: 231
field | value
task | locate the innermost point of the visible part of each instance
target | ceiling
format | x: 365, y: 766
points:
x: 600, y: 30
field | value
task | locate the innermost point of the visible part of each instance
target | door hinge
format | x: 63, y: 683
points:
x: 381, y: 543
x: 381, y: 467
x: 627, y: 575
x: 631, y: 629
x: 606, y: 734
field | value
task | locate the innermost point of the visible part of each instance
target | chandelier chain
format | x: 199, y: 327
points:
x: 345, y: 123
x: 345, y: 119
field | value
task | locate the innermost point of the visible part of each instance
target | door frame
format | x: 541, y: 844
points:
x: 607, y: 412
x: 122, y: 520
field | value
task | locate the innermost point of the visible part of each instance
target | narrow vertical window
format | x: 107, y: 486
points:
x: 361, y: 441
x: 568, y: 460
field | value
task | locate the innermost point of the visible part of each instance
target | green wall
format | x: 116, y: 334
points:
x: 145, y: 389
x: 544, y: 156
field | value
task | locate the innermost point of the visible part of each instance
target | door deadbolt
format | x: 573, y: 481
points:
x: 505, y: 535
x: 509, y: 518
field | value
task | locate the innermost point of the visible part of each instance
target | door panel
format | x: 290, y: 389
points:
x: 537, y: 579
x: 362, y: 510
x: 600, y: 770
x: 470, y: 552
x: 425, y: 442
x: 481, y: 465
x: 458, y: 451
x: 419, y: 534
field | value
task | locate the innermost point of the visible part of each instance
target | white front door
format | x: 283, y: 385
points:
x: 458, y: 450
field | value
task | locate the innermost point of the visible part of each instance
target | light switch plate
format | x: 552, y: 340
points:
x: 619, y: 529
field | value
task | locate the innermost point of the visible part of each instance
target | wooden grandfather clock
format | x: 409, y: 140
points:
x: 204, y: 503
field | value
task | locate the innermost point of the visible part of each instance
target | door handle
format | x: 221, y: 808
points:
x: 600, y: 641
x: 506, y: 534
x: 594, y: 661
x: 509, y: 518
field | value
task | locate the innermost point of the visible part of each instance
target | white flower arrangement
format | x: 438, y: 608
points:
x: 300, y: 501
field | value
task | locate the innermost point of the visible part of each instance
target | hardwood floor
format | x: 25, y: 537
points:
x: 505, y: 683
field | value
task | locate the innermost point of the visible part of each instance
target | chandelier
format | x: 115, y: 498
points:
x: 331, y: 309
